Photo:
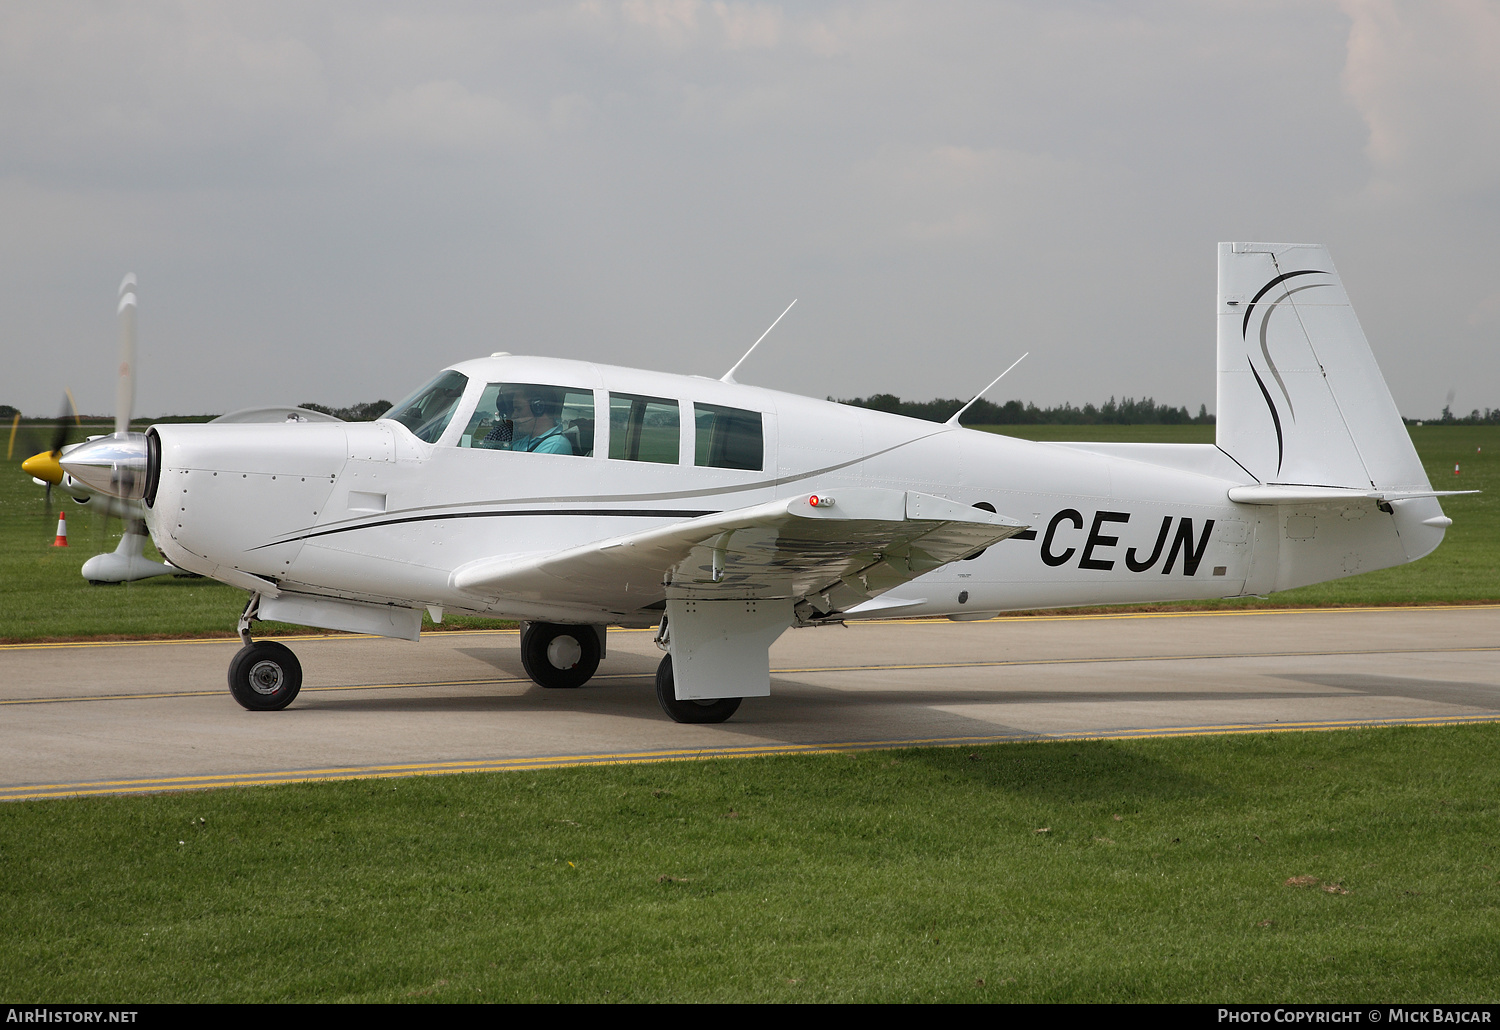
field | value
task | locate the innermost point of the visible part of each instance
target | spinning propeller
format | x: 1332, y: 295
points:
x: 107, y: 474
x: 115, y: 466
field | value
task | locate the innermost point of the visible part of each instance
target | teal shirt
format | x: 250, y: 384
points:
x: 551, y: 442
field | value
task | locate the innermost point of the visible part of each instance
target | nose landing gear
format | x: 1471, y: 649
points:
x: 264, y: 676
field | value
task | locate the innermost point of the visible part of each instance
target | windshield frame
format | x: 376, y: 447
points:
x: 429, y: 430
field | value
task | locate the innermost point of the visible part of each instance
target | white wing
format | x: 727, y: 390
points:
x: 833, y: 555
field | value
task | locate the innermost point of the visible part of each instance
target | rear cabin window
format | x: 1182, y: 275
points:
x: 728, y: 438
x: 533, y: 418
x: 643, y: 428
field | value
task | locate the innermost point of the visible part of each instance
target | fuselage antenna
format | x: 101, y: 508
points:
x: 728, y: 377
x: 954, y: 420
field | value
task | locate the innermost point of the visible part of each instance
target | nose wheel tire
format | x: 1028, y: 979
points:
x: 710, y: 710
x: 265, y: 676
x: 559, y: 656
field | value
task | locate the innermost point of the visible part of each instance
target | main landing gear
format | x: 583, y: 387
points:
x: 264, y: 676
x: 559, y: 656
x: 704, y: 710
x: 715, y: 710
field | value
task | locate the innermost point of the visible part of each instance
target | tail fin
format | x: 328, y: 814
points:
x: 1301, y: 400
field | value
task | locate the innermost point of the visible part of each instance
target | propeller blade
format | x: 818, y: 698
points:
x: 11, y: 448
x: 125, y: 385
x: 60, y: 431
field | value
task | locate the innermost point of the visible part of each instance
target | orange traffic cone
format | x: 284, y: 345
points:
x: 62, y: 530
x: 1455, y: 469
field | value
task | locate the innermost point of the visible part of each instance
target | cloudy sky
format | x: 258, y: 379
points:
x: 328, y: 202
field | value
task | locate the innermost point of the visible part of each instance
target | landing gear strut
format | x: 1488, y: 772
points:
x: 264, y: 676
x: 559, y: 656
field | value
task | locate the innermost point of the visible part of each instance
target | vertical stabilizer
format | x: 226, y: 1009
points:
x: 1300, y: 398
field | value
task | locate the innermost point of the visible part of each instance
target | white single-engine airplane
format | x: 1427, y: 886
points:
x: 574, y: 496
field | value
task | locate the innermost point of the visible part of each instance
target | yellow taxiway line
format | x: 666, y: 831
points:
x: 35, y: 792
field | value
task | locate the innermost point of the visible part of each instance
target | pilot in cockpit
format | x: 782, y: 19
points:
x: 527, y: 420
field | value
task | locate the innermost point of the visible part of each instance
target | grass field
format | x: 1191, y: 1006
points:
x: 42, y: 595
x: 1047, y: 872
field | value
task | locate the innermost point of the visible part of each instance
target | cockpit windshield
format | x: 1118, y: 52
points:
x: 428, y: 411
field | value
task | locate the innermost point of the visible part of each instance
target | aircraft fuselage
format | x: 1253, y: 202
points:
x: 369, y: 512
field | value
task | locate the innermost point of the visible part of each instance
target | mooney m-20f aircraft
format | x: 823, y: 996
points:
x: 574, y: 496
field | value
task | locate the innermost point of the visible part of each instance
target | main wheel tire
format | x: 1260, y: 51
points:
x: 265, y: 676
x: 559, y: 656
x: 715, y: 710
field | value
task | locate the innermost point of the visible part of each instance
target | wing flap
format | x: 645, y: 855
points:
x: 864, y: 542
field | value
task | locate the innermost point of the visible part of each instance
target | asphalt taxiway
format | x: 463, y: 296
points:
x: 150, y: 716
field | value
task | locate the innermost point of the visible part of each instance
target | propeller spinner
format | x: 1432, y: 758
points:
x: 44, y: 466
x: 112, y: 465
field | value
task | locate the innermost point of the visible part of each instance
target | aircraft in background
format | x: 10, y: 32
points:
x: 575, y: 496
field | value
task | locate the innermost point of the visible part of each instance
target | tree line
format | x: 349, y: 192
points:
x: 1129, y: 412
x: 1487, y: 417
x: 369, y: 411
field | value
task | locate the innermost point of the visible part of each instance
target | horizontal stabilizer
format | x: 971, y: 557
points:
x: 1282, y: 494
x: 276, y: 415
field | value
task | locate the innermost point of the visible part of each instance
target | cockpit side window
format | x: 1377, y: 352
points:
x: 643, y: 428
x: 728, y: 438
x: 532, y: 418
x: 428, y: 411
